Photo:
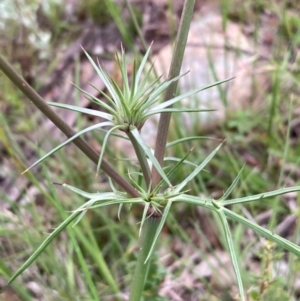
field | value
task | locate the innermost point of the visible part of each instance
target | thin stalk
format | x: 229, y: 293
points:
x: 176, y: 63
x: 37, y: 100
x: 141, y: 270
x: 136, y: 24
x: 141, y: 156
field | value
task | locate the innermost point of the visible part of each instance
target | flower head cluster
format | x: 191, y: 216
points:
x: 128, y: 106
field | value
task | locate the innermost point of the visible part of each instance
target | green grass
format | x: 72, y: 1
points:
x: 72, y: 269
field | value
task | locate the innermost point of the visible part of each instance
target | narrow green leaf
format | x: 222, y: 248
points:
x: 113, y: 188
x: 158, y: 91
x: 142, y: 65
x: 148, y: 152
x: 179, y: 160
x: 102, y: 103
x: 260, y: 196
x: 122, y: 103
x: 197, y: 170
x: 82, y: 110
x: 79, y: 218
x: 175, y: 110
x: 90, y: 128
x: 147, y: 205
x: 186, y: 95
x: 143, y: 162
x: 41, y: 248
x: 100, y: 195
x: 104, y: 145
x: 159, y: 229
x: 104, y: 77
x: 234, y: 183
x: 133, y: 84
x: 115, y: 135
x: 193, y: 200
x: 119, y: 211
x: 115, y: 202
x: 191, y: 138
x: 136, y: 185
x: 232, y: 252
x: 288, y: 245
x: 147, y: 88
x: 123, y: 68
x: 174, y: 168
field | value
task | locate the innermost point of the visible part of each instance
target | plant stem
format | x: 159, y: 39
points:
x: 136, y: 25
x: 37, y: 100
x: 141, y: 270
x: 177, y: 58
x: 141, y: 158
x: 152, y: 222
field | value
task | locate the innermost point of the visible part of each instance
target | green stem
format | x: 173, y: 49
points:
x: 142, y: 158
x: 136, y: 25
x: 37, y: 100
x: 141, y: 270
x: 177, y: 58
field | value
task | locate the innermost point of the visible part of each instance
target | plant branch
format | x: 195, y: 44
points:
x: 141, y: 156
x: 141, y: 269
x: 37, y: 100
x: 177, y: 58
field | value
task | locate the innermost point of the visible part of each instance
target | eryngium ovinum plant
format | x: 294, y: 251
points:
x: 127, y: 108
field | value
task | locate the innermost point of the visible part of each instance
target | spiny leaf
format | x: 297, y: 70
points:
x: 111, y: 102
x: 288, y: 245
x: 90, y: 128
x: 169, y: 174
x: 197, y: 170
x: 158, y: 91
x: 142, y: 65
x: 147, y: 205
x: 185, y: 95
x: 82, y: 110
x: 232, y: 252
x: 175, y: 110
x: 260, y: 196
x: 104, y: 145
x: 42, y: 247
x: 159, y: 229
x: 191, y: 138
x: 97, y: 195
x: 234, y: 183
x: 148, y: 152
x: 105, y: 78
